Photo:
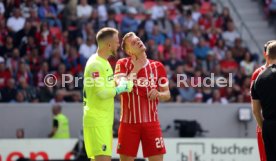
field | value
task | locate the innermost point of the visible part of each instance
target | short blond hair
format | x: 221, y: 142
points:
x: 105, y: 32
x: 271, y: 50
x: 127, y: 35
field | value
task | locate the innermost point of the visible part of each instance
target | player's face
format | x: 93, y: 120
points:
x: 135, y: 45
x: 114, y: 45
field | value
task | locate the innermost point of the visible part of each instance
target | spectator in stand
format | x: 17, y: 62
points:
x: 216, y: 98
x: 187, y: 93
x: 189, y: 22
x: 229, y: 65
x: 147, y: 24
x: 173, y: 62
x: 247, y: 64
x: 55, y: 60
x: 88, y: 48
x: 84, y: 11
x: 55, y: 45
x: 2, y: 8
x: 190, y: 64
x: 21, y: 35
x: 43, y: 36
x: 23, y: 72
x: 194, y: 35
x: 245, y: 88
x: 75, y: 62
x: 15, y: 22
x: 45, y: 94
x: 157, y: 36
x: 59, y: 97
x: 5, y: 73
x: 87, y: 31
x: 165, y: 25
x: 12, y: 62
x: 238, y: 50
x: 48, y: 13
x: 152, y: 50
x: 69, y: 14
x: 158, y: 10
x: 26, y: 7
x: 19, y: 97
x: 224, y: 18
x: 202, y: 49
x: 34, y: 60
x: 111, y: 20
x: 220, y: 49
x: 102, y: 10
x: 8, y: 92
x: 8, y: 47
x: 29, y: 92
x: 209, y: 63
x: 214, y: 10
x: 196, y: 13
x: 44, y: 70
x: 129, y: 23
x: 3, y: 34
x: 230, y: 35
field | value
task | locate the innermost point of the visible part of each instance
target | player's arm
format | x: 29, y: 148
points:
x: 256, y: 106
x: 96, y: 73
x: 54, y: 129
x: 163, y: 92
x: 121, y: 77
x: 257, y: 112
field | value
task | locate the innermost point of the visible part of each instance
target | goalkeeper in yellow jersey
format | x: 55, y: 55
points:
x: 98, y: 97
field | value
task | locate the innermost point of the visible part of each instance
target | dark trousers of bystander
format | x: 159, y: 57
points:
x: 269, y: 137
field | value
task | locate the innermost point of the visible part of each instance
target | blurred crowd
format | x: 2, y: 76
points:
x: 193, y: 37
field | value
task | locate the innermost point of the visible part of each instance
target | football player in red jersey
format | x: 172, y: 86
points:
x: 253, y: 78
x: 139, y: 117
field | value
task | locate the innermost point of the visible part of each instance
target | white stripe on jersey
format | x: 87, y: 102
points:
x: 139, y: 108
x: 126, y: 65
x: 147, y: 95
x: 122, y: 109
x: 156, y: 74
x: 129, y: 107
x: 151, y: 102
x: 134, y: 113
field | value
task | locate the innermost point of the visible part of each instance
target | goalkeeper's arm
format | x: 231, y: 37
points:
x: 123, y: 86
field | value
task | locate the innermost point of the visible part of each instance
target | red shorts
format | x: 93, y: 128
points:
x: 150, y: 135
x: 261, y: 144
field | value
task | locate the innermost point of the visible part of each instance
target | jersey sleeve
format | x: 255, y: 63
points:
x: 55, y: 123
x: 120, y: 68
x: 99, y: 82
x: 254, y: 93
x: 162, y: 75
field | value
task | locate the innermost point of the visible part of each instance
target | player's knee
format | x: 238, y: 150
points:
x: 156, y: 158
x: 126, y: 158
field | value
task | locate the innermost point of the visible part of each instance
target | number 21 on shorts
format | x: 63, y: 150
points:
x: 159, y: 142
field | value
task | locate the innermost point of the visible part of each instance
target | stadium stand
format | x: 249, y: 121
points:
x: 192, y: 37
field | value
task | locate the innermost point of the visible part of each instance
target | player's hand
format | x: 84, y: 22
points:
x: 153, y: 94
x: 124, y: 86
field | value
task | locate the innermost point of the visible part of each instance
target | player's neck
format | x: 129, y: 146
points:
x: 142, y: 56
x: 103, y: 53
x: 272, y: 61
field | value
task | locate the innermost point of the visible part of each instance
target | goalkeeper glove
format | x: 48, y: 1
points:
x: 124, y: 86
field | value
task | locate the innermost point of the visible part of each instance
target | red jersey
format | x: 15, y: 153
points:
x: 256, y: 73
x: 136, y: 106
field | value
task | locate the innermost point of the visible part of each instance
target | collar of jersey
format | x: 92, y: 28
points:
x: 100, y: 58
